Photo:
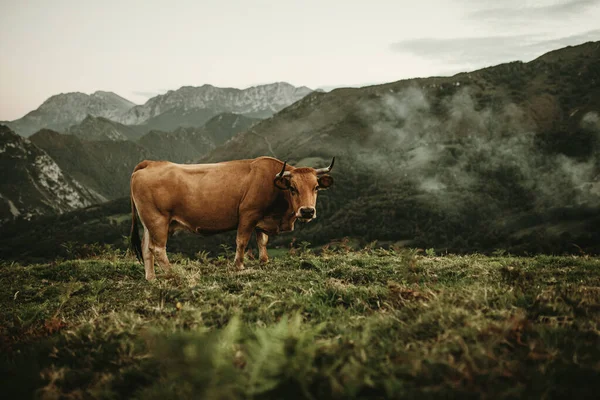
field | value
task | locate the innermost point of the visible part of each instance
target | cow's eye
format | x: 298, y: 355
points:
x: 293, y: 190
x: 316, y: 188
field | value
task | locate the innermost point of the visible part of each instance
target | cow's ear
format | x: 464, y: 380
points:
x: 325, y: 181
x: 283, y: 182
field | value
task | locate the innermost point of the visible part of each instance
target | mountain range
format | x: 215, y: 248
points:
x: 192, y: 106
x: 502, y: 157
x: 185, y: 107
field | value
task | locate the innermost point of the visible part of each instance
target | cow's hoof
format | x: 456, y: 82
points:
x: 150, y: 278
x: 264, y: 260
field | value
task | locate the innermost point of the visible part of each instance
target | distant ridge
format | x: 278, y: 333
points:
x: 193, y: 106
x: 61, y: 111
x: 188, y: 106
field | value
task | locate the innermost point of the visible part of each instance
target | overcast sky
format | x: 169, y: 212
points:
x: 140, y: 48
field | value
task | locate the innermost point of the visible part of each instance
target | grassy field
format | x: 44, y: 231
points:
x: 368, y: 324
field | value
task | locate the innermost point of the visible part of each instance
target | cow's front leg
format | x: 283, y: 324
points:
x: 262, y: 239
x: 244, y: 233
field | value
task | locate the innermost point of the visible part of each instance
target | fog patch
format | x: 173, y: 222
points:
x: 456, y: 145
x: 431, y: 185
x: 591, y: 121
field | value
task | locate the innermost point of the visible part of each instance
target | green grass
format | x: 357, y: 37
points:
x: 367, y: 324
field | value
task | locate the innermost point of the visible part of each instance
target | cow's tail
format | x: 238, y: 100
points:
x: 135, y: 241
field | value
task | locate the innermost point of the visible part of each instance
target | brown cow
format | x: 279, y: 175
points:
x: 262, y: 194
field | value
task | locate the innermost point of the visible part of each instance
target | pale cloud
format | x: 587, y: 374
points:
x: 558, y: 10
x: 490, y: 50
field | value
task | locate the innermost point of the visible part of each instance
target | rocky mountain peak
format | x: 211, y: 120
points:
x: 256, y: 101
x: 60, y: 111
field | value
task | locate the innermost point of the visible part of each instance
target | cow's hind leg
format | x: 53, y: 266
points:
x: 261, y: 240
x: 160, y: 254
x: 159, y: 230
x: 148, y: 256
x: 244, y: 233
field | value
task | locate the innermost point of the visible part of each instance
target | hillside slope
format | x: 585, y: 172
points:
x: 183, y: 145
x: 99, y: 128
x: 224, y: 126
x: 187, y: 145
x: 104, y: 166
x: 33, y: 184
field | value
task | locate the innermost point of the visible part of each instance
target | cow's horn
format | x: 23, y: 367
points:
x: 283, y: 171
x: 326, y: 170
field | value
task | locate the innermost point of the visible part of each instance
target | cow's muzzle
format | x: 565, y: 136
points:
x: 305, y: 214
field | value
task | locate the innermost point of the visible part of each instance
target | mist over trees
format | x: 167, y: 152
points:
x: 464, y: 174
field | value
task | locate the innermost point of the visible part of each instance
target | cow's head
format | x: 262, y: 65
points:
x: 303, y: 184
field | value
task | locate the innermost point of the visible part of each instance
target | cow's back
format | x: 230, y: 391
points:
x: 203, y: 197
